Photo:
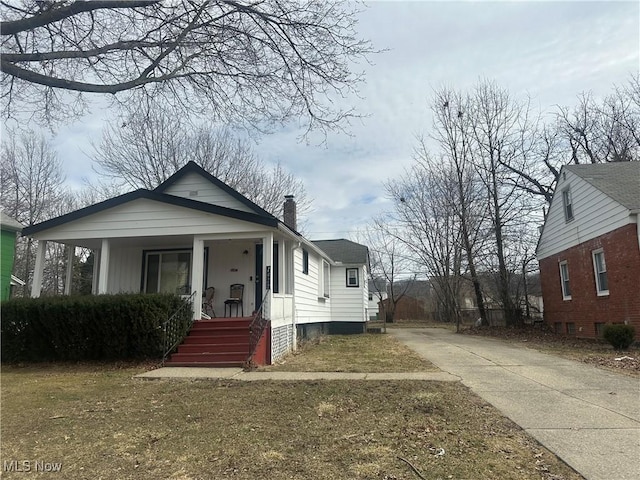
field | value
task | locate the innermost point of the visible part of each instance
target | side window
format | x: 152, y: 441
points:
x: 352, y: 277
x: 564, y: 280
x: 567, y: 204
x: 305, y: 262
x: 600, y: 271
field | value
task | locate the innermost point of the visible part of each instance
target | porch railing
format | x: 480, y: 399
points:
x: 173, y: 329
x: 256, y: 330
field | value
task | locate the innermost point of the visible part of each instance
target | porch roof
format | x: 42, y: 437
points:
x: 265, y: 219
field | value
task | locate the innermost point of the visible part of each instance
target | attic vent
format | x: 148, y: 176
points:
x: 193, y: 193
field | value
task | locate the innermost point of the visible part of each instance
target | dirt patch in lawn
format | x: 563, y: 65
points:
x: 102, y: 424
x: 593, y: 352
x: 353, y: 353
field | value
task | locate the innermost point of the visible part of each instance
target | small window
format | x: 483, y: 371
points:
x: 305, y: 262
x: 568, y: 205
x: 571, y: 328
x: 371, y: 297
x: 600, y: 270
x: 352, y: 277
x: 564, y: 281
x: 599, y: 327
x: 323, y: 283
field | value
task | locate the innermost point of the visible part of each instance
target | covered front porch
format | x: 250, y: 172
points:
x: 262, y: 262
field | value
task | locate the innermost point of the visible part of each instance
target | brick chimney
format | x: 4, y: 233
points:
x: 289, y: 212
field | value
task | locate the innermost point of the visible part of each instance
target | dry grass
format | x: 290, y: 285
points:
x: 102, y: 424
x: 353, y: 353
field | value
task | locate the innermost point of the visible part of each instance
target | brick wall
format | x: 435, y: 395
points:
x: 586, y: 308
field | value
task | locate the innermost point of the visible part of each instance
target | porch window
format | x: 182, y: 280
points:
x: 600, y: 270
x: 352, y: 277
x: 567, y: 204
x: 564, y: 280
x: 168, y: 272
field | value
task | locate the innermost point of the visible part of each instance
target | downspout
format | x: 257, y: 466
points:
x: 293, y: 295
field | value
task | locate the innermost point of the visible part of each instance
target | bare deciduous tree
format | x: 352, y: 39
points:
x: 253, y: 63
x: 142, y: 151
x: 32, y: 191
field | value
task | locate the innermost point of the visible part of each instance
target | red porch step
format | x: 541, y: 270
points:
x: 219, y: 342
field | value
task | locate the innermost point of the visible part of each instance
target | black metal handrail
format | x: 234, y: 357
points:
x: 173, y: 330
x: 256, y: 330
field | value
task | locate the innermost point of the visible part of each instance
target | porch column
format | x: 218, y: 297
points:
x: 103, y: 275
x: 71, y: 255
x: 197, y: 273
x: 94, y: 273
x: 38, y: 270
x: 282, y: 251
x: 267, y: 264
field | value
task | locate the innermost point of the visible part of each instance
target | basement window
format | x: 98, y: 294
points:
x: 571, y: 328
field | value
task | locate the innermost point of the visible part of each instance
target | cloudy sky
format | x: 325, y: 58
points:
x: 551, y: 51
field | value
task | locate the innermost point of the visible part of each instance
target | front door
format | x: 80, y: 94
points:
x: 258, y: 277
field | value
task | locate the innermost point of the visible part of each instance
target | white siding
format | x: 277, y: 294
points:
x: 144, y: 218
x: 594, y: 214
x: 281, y: 310
x: 309, y: 308
x: 348, y: 303
x: 196, y: 187
x: 125, y: 270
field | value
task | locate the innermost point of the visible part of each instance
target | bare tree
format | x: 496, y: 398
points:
x: 502, y: 137
x: 429, y: 228
x: 452, y: 131
x: 391, y: 267
x: 252, y: 63
x: 143, y: 150
x: 32, y: 190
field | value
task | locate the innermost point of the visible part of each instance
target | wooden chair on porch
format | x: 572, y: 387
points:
x: 235, y: 298
x: 207, y: 303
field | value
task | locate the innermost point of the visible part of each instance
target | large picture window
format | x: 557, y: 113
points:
x: 168, y: 272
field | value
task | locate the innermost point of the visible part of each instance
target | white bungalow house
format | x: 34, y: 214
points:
x: 193, y: 232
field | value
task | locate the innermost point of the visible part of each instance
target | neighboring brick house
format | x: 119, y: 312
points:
x: 589, y: 249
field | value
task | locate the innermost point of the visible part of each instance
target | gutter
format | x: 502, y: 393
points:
x: 293, y: 299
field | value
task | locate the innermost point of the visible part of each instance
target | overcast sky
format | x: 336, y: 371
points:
x: 551, y: 51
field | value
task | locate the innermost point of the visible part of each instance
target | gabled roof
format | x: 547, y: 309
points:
x: 344, y: 251
x: 619, y: 180
x: 192, y: 167
x: 267, y: 219
x: 9, y: 223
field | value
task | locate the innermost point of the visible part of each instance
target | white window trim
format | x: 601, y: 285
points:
x: 601, y: 293
x: 324, y: 279
x: 562, y: 280
x: 161, y: 253
x: 357, y: 278
x: 566, y: 195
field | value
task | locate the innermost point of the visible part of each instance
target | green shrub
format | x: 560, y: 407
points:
x: 619, y: 336
x: 102, y: 327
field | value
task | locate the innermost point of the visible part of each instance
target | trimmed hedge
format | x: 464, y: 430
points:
x: 618, y: 335
x: 102, y: 327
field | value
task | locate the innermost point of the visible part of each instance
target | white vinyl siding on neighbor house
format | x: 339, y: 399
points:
x: 309, y: 307
x: 600, y: 272
x: 196, y: 187
x: 587, y: 203
x: 145, y: 218
x: 348, y: 304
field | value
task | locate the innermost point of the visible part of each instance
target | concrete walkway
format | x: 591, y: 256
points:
x: 199, y: 373
x: 588, y: 417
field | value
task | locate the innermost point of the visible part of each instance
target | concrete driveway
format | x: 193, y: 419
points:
x: 588, y: 417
